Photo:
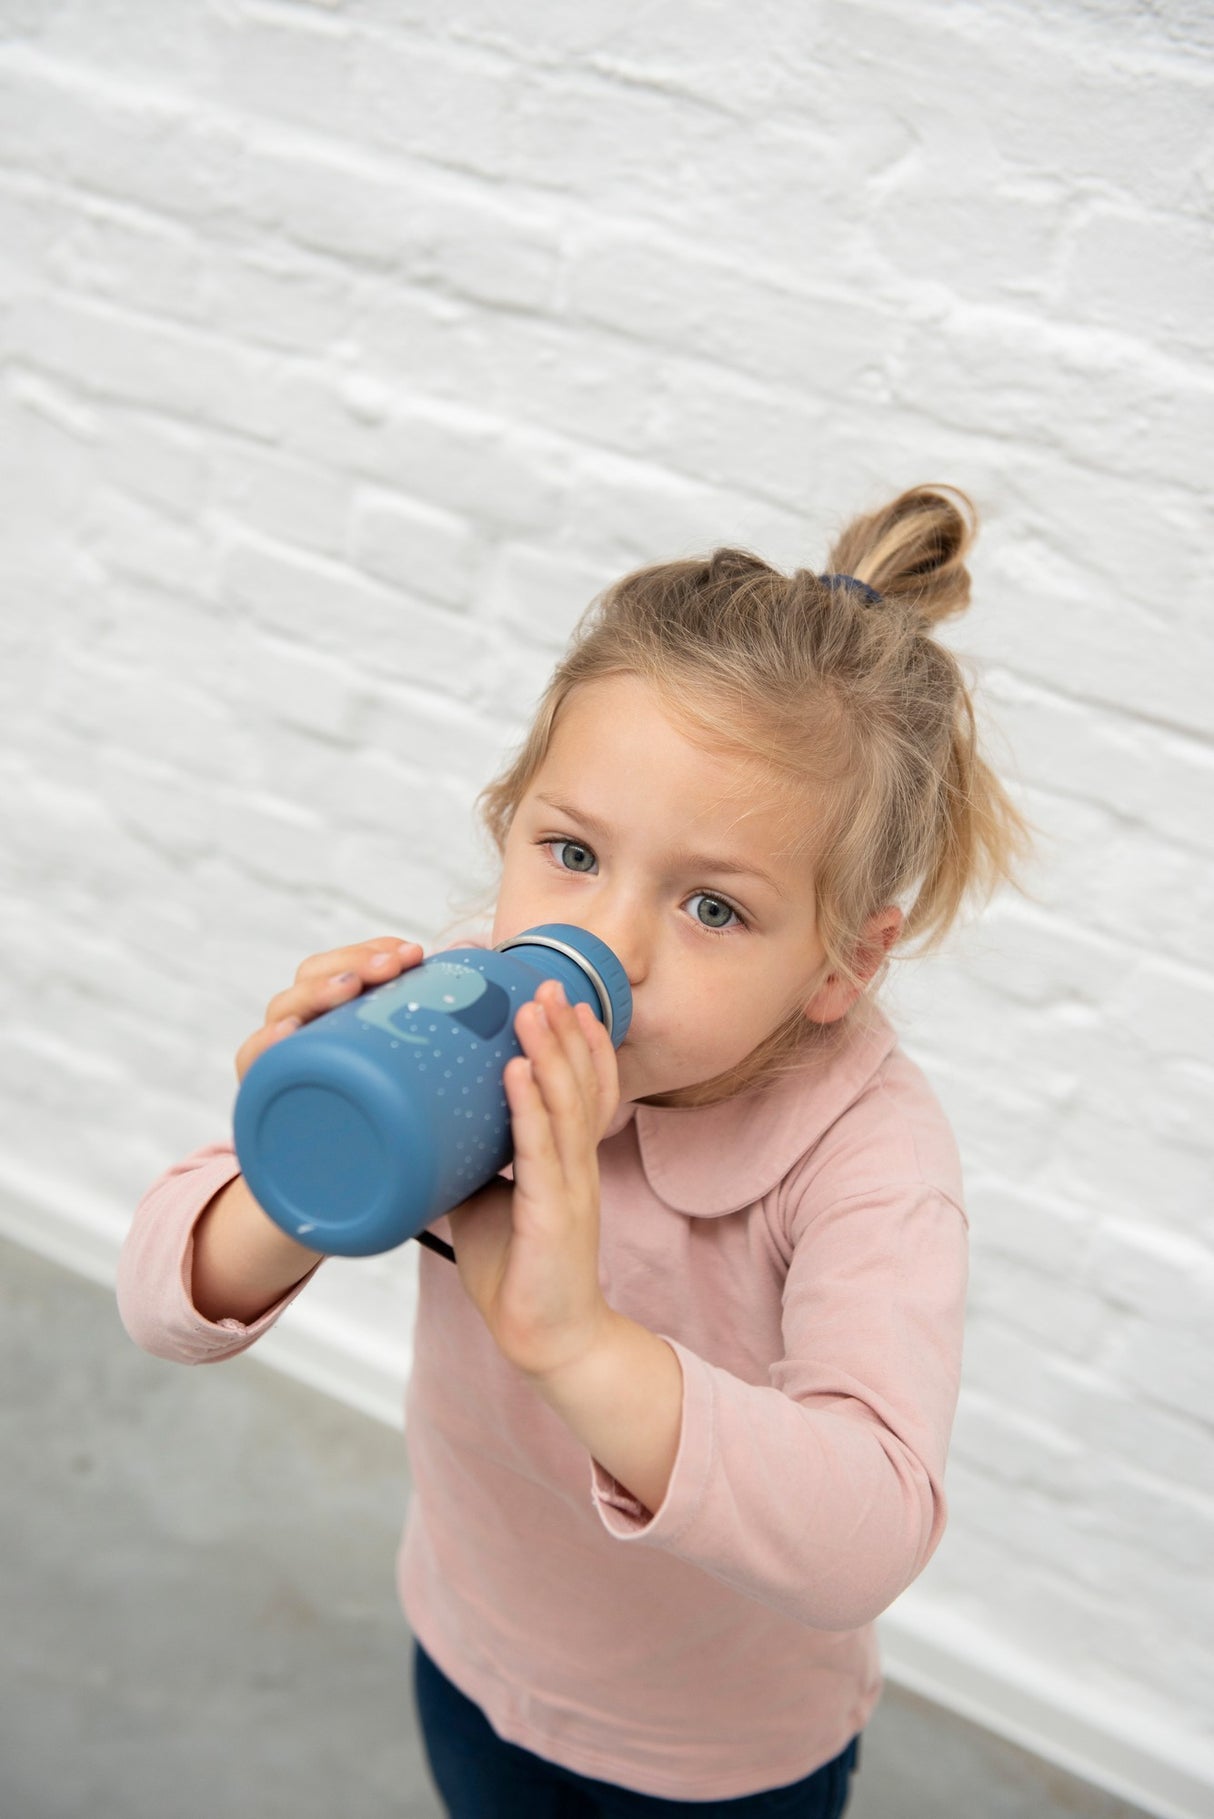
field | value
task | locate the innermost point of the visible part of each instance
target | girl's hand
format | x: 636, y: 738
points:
x: 323, y: 982
x: 528, y: 1255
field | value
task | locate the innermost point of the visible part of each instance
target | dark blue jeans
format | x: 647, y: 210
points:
x: 480, y: 1777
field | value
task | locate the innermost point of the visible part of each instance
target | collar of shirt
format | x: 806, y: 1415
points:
x: 709, y: 1160
x: 713, y: 1159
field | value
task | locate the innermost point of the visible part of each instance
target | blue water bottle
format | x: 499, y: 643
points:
x: 376, y: 1118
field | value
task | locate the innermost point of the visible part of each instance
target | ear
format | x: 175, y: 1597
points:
x: 835, y: 996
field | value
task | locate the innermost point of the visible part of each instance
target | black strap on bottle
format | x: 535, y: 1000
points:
x: 435, y: 1244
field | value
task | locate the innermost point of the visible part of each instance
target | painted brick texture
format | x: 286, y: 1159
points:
x: 349, y: 348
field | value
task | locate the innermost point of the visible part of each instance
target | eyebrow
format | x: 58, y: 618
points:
x: 698, y: 862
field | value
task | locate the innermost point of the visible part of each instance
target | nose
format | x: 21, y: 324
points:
x: 625, y: 933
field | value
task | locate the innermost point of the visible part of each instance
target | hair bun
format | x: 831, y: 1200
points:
x: 914, y: 550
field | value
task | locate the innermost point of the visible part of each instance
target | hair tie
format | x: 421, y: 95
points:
x: 870, y: 594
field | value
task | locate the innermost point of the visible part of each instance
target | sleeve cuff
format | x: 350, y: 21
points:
x: 619, y: 1511
x: 216, y: 1339
x: 155, y: 1268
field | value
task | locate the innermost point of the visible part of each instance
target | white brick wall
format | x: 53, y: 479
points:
x: 349, y: 347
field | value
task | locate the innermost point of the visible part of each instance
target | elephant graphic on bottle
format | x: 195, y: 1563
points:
x: 405, y: 1008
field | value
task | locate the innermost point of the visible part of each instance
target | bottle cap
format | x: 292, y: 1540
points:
x: 597, y: 961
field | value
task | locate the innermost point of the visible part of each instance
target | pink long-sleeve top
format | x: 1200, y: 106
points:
x: 804, y: 1251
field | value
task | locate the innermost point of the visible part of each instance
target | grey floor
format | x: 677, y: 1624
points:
x: 198, y: 1613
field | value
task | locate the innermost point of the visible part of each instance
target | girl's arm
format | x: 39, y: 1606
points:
x: 202, y: 1262
x: 623, y: 1399
x: 819, y: 1492
x: 528, y: 1256
x: 242, y: 1262
x: 156, y: 1267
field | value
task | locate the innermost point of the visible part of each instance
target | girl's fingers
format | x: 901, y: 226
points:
x: 564, y: 1078
x: 606, y: 1066
x: 571, y: 1038
x: 313, y: 997
x: 590, y: 1048
x: 260, y: 1041
x: 534, y: 1132
x: 574, y: 1035
x: 326, y: 980
x: 370, y: 959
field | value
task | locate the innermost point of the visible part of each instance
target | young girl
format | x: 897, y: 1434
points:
x: 679, y: 1409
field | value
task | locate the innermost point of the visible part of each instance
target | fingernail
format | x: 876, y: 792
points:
x: 557, y: 990
x: 288, y: 1024
x: 381, y: 959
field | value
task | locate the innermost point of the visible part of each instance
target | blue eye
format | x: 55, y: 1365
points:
x: 581, y: 861
x: 718, y: 904
x: 572, y: 856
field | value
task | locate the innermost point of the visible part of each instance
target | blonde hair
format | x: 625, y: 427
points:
x: 839, y: 686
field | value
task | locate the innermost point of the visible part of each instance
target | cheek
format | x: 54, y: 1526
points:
x: 506, y: 915
x: 511, y: 883
x: 746, y: 1019
x: 714, y: 1021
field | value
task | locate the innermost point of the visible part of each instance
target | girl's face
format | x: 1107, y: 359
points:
x: 671, y: 854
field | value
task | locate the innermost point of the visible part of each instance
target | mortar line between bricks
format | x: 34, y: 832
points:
x: 1116, y: 711
x: 1067, y: 337
x: 777, y: 277
x: 613, y: 451
x: 363, y: 159
x: 1089, y: 47
x: 946, y: 16
x: 1002, y: 315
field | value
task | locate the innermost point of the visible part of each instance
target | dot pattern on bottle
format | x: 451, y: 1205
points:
x: 471, y: 1149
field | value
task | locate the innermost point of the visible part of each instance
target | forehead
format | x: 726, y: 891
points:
x: 618, y: 743
x: 626, y: 722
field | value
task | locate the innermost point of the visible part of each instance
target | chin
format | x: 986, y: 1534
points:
x: 645, y: 1081
x: 649, y: 1091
